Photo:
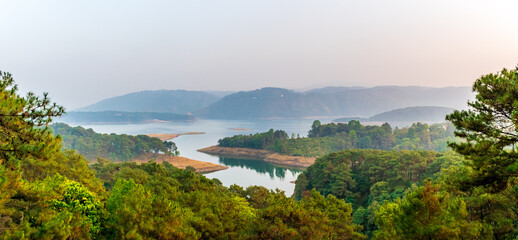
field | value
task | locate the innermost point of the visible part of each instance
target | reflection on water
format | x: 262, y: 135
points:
x: 258, y: 166
x: 243, y: 172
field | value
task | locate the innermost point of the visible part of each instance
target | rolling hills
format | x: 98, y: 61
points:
x: 284, y: 103
x: 409, y: 114
x: 165, y: 101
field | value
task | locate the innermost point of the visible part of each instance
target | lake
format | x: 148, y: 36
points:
x: 243, y: 172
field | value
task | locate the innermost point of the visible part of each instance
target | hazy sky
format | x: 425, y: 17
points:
x: 84, y: 51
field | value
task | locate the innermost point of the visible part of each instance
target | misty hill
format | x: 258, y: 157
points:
x: 333, y: 89
x: 410, y: 114
x: 414, y: 114
x: 123, y: 117
x: 166, y: 101
x: 283, y: 103
x: 219, y: 94
x: 264, y: 103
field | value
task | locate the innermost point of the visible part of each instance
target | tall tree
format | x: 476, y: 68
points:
x: 490, y: 128
x: 19, y: 137
x: 426, y: 213
x: 30, y: 157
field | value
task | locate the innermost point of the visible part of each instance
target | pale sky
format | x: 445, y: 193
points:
x: 84, y: 51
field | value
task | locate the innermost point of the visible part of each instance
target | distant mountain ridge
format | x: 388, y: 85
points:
x: 263, y: 103
x: 333, y: 89
x: 284, y: 103
x: 409, y: 114
x: 272, y: 102
x: 165, y: 101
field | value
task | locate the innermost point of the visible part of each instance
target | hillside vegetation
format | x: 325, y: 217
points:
x: 50, y: 193
x: 367, y: 178
x: 470, y: 194
x: 47, y: 192
x: 326, y: 138
x: 115, y: 147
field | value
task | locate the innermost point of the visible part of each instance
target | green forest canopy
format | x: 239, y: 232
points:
x: 47, y: 192
x: 115, y: 147
x: 365, y: 177
x: 50, y: 193
x: 326, y: 138
x: 472, y: 195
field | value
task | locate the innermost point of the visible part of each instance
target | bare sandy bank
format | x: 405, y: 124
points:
x: 180, y: 162
x: 169, y: 136
x: 265, y: 155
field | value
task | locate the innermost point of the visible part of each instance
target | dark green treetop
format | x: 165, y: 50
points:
x: 489, y: 128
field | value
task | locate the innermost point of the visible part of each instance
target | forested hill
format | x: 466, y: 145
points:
x: 283, y: 103
x: 409, y: 114
x: 115, y: 147
x: 326, y: 138
x: 165, y: 101
x: 50, y: 193
x: 371, y: 178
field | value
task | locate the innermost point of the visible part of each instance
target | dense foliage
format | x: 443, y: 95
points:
x: 50, y: 193
x: 256, y: 141
x: 327, y: 138
x: 152, y: 201
x: 478, y: 199
x: 44, y: 192
x: 116, y: 147
x: 366, y: 178
x: 474, y: 196
x: 352, y: 173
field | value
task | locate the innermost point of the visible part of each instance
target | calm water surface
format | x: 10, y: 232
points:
x: 243, y: 172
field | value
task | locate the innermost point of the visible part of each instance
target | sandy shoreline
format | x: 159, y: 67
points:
x: 167, y: 136
x: 265, y: 155
x: 180, y: 162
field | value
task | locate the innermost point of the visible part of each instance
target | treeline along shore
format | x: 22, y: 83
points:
x: 128, y: 148
x: 265, y: 155
x: 383, y: 183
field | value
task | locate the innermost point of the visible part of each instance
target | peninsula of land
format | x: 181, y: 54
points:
x: 180, y: 162
x: 166, y: 136
x: 265, y: 155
